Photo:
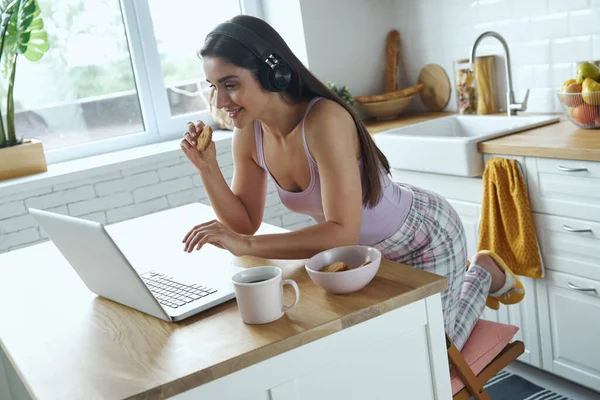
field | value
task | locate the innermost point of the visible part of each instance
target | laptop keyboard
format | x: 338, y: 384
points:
x: 174, y: 294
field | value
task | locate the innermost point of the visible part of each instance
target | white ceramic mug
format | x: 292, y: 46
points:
x: 259, y: 294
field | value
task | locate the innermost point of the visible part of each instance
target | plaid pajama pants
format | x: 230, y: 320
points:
x: 433, y: 239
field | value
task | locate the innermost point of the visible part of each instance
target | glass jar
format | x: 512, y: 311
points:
x: 466, y: 93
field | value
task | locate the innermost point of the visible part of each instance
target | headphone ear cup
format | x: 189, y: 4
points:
x: 264, y: 75
x: 275, y: 79
x: 282, y: 75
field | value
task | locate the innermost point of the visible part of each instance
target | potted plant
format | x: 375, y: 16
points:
x: 21, y: 32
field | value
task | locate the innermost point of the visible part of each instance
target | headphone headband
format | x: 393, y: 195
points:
x: 251, y: 40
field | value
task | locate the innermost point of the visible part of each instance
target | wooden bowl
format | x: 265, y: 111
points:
x: 386, y: 109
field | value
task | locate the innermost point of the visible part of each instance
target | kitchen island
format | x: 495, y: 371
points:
x: 60, y: 341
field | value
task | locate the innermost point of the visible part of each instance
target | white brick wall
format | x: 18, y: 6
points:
x: 157, y: 183
x: 546, y: 39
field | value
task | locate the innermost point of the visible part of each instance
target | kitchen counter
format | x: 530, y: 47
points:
x: 64, y: 342
x: 561, y: 140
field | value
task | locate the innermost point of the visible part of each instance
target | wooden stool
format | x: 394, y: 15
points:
x: 487, y: 351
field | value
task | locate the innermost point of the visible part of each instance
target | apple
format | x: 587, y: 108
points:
x: 585, y: 114
x: 587, y: 70
x: 571, y: 96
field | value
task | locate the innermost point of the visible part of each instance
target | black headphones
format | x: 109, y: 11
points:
x: 274, y: 73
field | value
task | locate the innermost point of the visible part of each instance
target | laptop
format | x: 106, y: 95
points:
x: 158, y: 290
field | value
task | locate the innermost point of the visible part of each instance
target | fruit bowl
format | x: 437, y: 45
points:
x: 582, y: 109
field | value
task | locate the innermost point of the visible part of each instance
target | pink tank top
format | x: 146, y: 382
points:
x: 378, y: 223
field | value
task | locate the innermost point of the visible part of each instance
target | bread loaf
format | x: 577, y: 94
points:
x: 391, y: 62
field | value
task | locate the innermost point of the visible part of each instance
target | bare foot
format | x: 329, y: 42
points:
x: 496, y: 272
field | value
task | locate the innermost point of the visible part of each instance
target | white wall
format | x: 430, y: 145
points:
x: 545, y: 37
x: 345, y: 41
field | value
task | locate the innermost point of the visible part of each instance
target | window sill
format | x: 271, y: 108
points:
x: 90, y: 166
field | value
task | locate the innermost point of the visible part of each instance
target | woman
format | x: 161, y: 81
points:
x: 324, y: 164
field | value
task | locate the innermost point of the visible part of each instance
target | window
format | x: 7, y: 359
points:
x: 118, y: 73
x: 181, y: 69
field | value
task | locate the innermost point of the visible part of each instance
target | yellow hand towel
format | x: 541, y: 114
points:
x: 506, y: 225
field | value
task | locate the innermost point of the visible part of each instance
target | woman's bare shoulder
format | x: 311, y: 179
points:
x: 329, y: 121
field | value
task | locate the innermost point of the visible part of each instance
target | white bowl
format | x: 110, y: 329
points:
x: 345, y: 281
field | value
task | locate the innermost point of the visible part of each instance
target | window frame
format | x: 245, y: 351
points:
x: 155, y: 109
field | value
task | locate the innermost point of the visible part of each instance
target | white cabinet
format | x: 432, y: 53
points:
x: 570, y: 327
x: 564, y: 187
x: 569, y: 245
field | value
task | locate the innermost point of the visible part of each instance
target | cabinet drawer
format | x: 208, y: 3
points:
x: 566, y: 250
x: 564, y: 187
x: 570, y: 327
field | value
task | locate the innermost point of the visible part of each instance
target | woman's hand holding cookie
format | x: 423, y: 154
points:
x: 198, y: 146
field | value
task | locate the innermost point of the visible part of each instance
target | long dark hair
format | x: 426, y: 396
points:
x: 303, y: 85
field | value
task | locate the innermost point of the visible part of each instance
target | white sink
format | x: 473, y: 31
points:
x: 449, y: 145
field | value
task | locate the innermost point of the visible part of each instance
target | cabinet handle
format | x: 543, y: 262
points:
x: 567, y: 169
x: 580, y: 289
x: 573, y: 230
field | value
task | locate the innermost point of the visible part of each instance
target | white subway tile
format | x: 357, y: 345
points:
x: 177, y: 171
x: 19, y: 238
x: 567, y: 5
x: 150, y: 166
x: 62, y: 197
x: 562, y: 72
x: 12, y: 209
x: 227, y: 171
x: 585, y: 22
x: 225, y: 159
x: 571, y: 49
x: 17, y: 223
x: 274, y: 221
x: 551, y: 26
x: 197, y: 181
x: 523, y: 76
x: 493, y: 10
x: 596, y: 47
x: 534, y: 52
x: 97, y: 217
x: 162, y: 189
x: 87, y: 181
x: 294, y: 218
x: 186, y: 197
x: 127, y: 184
x: 26, y: 194
x: 540, y: 100
x: 26, y: 244
x: 528, y: 8
x: 59, y: 210
x: 272, y: 199
x: 136, y: 210
x: 275, y: 211
x: 515, y: 30
x: 542, y: 77
x: 100, y: 204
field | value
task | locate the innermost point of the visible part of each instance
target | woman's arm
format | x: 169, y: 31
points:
x: 333, y: 140
x: 240, y: 207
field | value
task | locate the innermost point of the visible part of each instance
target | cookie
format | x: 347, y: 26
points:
x: 336, y: 267
x: 204, y: 138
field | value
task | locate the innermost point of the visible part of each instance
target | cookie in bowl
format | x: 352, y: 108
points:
x: 345, y: 269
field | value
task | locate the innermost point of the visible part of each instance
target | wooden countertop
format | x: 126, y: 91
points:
x: 67, y: 343
x: 561, y: 140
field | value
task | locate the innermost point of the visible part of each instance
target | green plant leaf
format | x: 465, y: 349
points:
x: 26, y: 34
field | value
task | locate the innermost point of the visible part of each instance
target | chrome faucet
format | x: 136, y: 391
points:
x: 511, y: 106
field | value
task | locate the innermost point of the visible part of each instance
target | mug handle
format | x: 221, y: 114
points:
x: 296, y: 291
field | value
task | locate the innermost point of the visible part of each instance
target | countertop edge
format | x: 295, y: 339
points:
x: 256, y: 356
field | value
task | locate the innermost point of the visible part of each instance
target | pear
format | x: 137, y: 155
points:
x: 587, y: 70
x: 590, y: 91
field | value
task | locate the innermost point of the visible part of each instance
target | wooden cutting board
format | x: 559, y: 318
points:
x: 437, y: 89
